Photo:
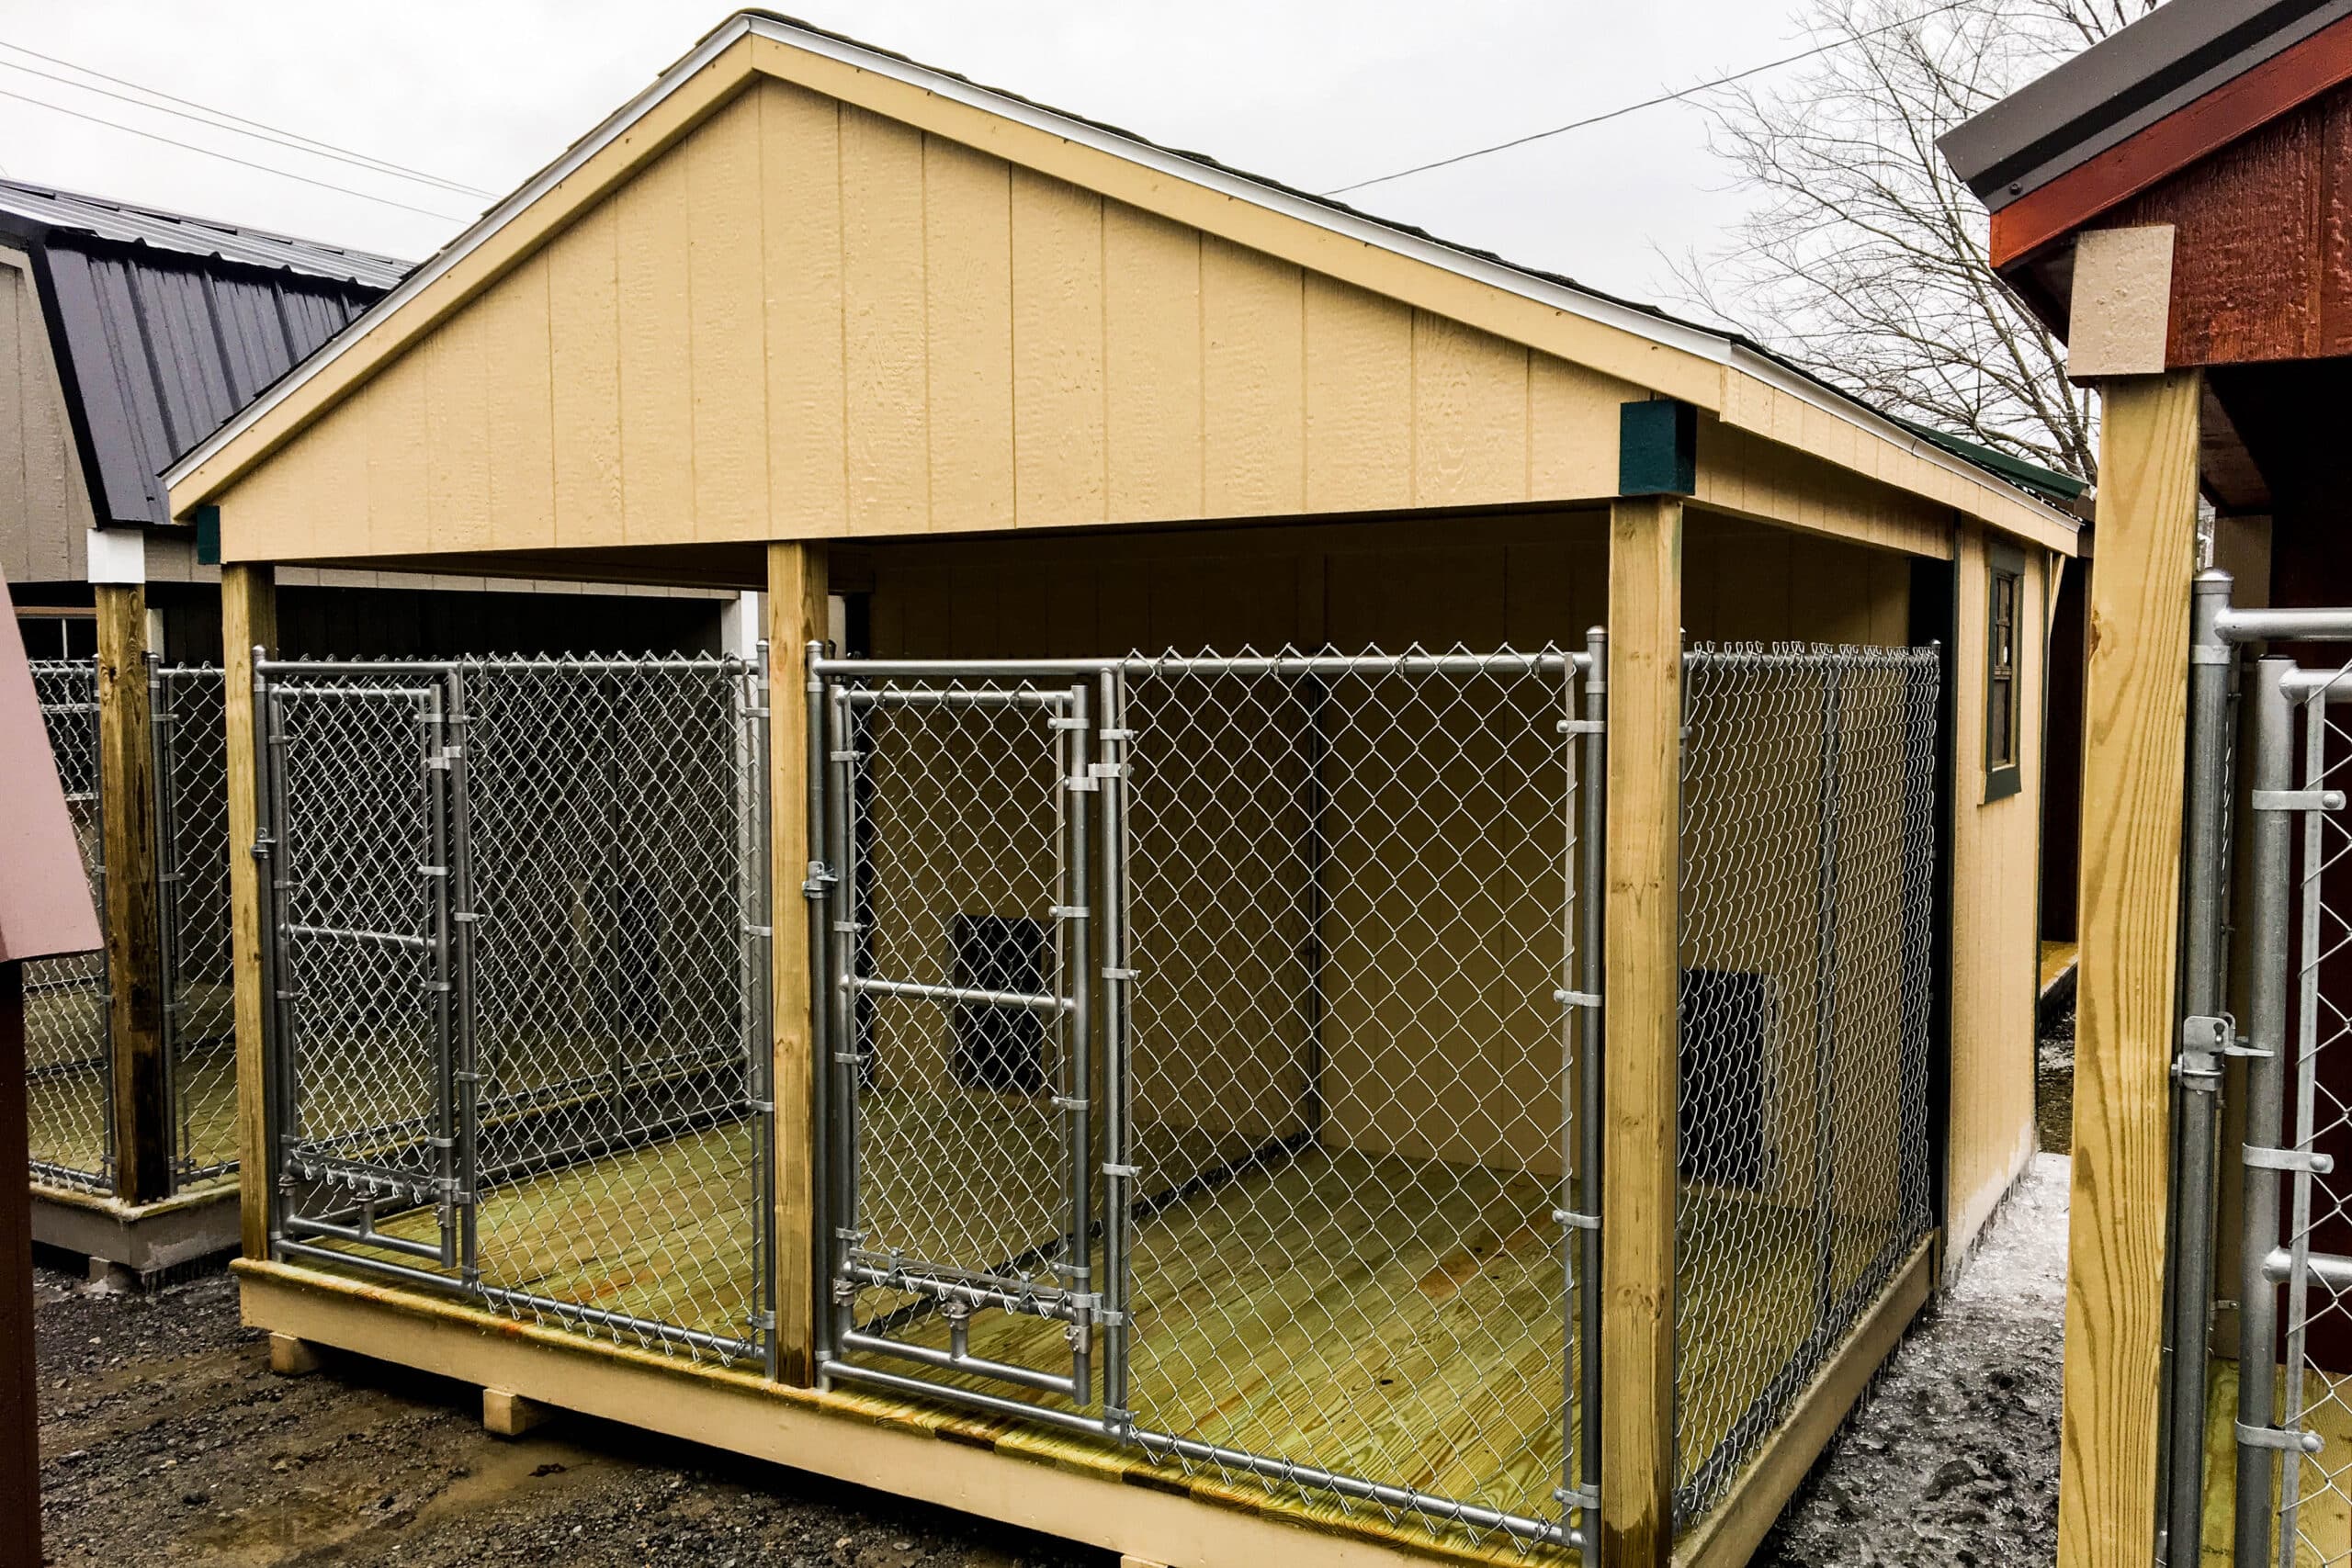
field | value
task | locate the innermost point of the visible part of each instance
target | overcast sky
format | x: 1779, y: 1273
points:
x: 1318, y: 92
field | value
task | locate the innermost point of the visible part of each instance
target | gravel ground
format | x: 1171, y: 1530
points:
x: 2054, y: 1084
x: 167, y: 1440
x: 1953, y: 1456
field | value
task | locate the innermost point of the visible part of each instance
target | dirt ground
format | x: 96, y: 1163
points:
x: 166, y: 1441
x: 1953, y: 1456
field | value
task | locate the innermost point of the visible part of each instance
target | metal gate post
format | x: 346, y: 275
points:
x: 841, y: 1059
x: 268, y: 850
x: 2207, y: 1031
x: 1111, y: 936
x: 1073, y: 942
x: 463, y: 1086
x: 1594, y: 803
x: 171, y: 1006
x: 823, y: 875
x: 2270, y: 851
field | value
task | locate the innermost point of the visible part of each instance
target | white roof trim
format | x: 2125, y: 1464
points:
x: 1716, y: 347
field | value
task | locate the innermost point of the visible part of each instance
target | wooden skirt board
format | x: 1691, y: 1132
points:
x: 2323, y: 1517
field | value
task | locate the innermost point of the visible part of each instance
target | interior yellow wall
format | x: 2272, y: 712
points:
x: 805, y: 320
x: 1996, y: 885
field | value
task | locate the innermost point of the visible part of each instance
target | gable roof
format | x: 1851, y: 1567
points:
x: 1717, y: 370
x: 163, y: 325
x: 2140, y: 104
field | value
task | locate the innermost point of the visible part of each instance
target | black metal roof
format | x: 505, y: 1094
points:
x: 163, y: 325
x: 2118, y: 86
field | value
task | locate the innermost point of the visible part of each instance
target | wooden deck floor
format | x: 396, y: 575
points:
x: 2323, y: 1518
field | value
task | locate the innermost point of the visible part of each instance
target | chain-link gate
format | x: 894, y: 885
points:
x: 69, y: 1066
x: 517, y: 943
x: 1207, y: 1043
x: 1809, y: 847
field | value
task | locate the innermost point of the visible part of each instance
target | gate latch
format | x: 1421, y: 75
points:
x: 820, y: 878
x: 2203, y: 1039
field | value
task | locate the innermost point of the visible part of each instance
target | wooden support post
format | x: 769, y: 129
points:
x: 292, y: 1358
x: 506, y: 1415
x: 1640, y: 994
x: 143, y: 1118
x: 2133, y: 759
x: 248, y: 617
x: 795, y: 618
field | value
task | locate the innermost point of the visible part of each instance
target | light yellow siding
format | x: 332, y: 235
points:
x: 805, y: 319
x: 1995, y: 947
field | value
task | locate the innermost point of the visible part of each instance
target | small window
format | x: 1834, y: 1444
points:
x: 2005, y: 600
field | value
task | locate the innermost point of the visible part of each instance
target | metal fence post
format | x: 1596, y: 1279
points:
x: 171, y: 1004
x: 2270, y: 848
x: 1581, y: 1440
x: 1825, y: 1000
x: 2206, y: 1031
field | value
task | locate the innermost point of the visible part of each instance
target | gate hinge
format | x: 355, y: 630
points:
x: 1577, y: 999
x: 1586, y: 1497
x: 1106, y: 769
x: 1120, y: 1171
x: 1071, y: 912
x: 2293, y: 1440
x: 1070, y: 1103
x: 2298, y: 800
x: 1575, y: 1220
x: 2257, y: 1158
x: 1083, y: 783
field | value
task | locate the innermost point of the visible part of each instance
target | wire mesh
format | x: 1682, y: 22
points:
x: 1334, y: 1152
x: 192, y: 857
x: 1808, y: 847
x: 2314, y: 1488
x: 1352, y: 1081
x: 68, y: 1066
x: 523, y: 917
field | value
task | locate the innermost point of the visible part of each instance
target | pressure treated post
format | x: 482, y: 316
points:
x: 2132, y: 766
x: 1640, y: 998
x: 795, y: 618
x: 248, y: 619
x: 134, y: 939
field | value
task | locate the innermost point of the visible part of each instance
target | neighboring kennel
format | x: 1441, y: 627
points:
x: 1119, y: 1019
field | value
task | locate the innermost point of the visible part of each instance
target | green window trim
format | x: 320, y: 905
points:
x: 2004, y: 671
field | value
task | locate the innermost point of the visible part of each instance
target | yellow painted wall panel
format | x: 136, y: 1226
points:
x: 1151, y: 336
x: 1252, y: 325
x: 457, y: 450
x: 1059, y: 438
x: 800, y: 218
x: 517, y: 362
x: 1359, y: 399
x: 395, y: 410
x: 651, y: 252
x: 882, y: 285
x: 968, y: 271
x: 725, y: 287
x: 1469, y: 415
x: 584, y: 380
x: 1572, y: 416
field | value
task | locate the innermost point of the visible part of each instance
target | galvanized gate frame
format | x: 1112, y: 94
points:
x: 438, y: 692
x: 1088, y: 699
x: 2265, y: 1427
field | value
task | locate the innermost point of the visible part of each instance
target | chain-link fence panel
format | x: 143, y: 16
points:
x: 521, y: 928
x: 69, y: 1078
x: 1207, y: 1035
x: 1352, y: 893
x: 1808, y: 865
x: 190, y: 718
x: 614, y: 825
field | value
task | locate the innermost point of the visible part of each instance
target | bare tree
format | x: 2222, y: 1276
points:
x: 1864, y: 257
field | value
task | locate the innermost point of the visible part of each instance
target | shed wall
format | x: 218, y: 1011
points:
x: 45, y: 514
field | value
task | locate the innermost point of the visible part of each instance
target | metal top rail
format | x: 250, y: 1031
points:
x: 1543, y: 661
x: 615, y: 664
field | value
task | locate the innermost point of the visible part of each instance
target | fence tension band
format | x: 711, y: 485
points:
x: 2287, y: 1440
x: 2294, y: 1161
x: 2298, y: 800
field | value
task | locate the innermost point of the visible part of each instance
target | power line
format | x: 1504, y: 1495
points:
x: 237, y: 124
x: 1653, y: 103
x: 229, y: 157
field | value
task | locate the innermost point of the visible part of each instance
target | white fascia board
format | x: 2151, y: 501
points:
x: 1714, y: 348
x: 116, y: 555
